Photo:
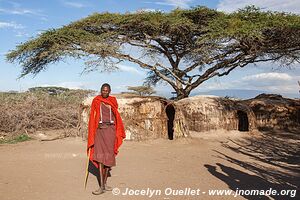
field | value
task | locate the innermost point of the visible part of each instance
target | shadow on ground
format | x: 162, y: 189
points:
x: 272, y: 162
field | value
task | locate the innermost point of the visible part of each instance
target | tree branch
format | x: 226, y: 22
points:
x: 146, y: 66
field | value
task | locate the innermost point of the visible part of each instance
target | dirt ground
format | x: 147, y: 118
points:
x: 208, y: 161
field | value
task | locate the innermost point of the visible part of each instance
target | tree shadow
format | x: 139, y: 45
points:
x: 272, y: 162
x: 271, y: 149
x: 238, y: 180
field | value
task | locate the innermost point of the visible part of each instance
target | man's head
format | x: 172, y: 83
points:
x: 105, y: 90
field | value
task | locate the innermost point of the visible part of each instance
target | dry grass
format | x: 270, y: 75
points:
x: 29, y: 112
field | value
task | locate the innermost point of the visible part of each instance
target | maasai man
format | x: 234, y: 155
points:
x: 105, y: 136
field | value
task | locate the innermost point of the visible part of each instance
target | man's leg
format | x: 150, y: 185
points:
x: 101, y: 170
x: 101, y: 183
x: 107, y: 188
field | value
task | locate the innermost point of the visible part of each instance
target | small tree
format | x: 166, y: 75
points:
x: 142, y: 90
x: 52, y: 90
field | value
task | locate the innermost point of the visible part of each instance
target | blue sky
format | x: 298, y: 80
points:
x: 22, y: 20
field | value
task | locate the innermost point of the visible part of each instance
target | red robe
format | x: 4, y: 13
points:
x: 94, y: 120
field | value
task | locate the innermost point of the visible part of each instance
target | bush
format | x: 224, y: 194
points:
x: 39, y: 110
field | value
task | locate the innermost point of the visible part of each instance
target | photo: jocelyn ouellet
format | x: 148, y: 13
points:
x: 156, y: 99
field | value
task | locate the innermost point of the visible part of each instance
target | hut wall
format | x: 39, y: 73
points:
x: 143, y: 117
x: 205, y: 113
x: 146, y: 118
x: 273, y: 112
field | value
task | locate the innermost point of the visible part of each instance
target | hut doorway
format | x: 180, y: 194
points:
x: 243, y: 121
x: 170, y: 111
x: 298, y: 116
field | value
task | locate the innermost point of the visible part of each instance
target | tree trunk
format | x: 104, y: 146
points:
x: 180, y: 91
x: 181, y: 94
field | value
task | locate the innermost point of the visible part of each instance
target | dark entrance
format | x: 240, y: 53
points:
x: 170, y: 111
x: 298, y: 116
x: 243, y: 121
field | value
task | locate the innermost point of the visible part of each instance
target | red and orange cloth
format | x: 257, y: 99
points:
x: 94, y: 120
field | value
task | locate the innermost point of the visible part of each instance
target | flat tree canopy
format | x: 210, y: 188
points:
x: 183, y: 47
x: 142, y: 90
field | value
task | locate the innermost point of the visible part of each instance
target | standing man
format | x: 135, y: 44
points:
x: 105, y: 135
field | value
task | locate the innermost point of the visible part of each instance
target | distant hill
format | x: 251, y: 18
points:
x: 236, y: 93
x: 243, y: 94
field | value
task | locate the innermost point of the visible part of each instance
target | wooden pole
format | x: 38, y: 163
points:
x: 87, y: 169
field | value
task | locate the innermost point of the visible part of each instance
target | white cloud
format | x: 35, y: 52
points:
x: 17, y: 29
x: 275, y: 5
x: 174, y: 3
x: 70, y: 85
x: 216, y: 84
x: 22, y: 34
x: 146, y: 10
x: 130, y: 69
x: 272, y: 82
x: 20, y: 11
x: 17, y: 9
x: 121, y: 88
x: 12, y: 25
x: 272, y: 76
x: 75, y: 4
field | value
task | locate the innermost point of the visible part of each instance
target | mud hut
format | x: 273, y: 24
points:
x: 156, y: 117
x: 143, y: 117
x: 206, y: 113
x: 275, y: 113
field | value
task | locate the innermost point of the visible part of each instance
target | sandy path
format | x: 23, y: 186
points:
x: 56, y: 169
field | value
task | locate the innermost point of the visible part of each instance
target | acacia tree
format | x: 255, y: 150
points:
x: 183, y: 47
x: 142, y: 90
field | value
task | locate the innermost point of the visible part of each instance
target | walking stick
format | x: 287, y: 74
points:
x: 87, y: 168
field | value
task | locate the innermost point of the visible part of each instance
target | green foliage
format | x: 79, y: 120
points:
x: 50, y: 47
x: 19, y: 138
x: 49, y: 90
x: 142, y: 90
x: 251, y: 22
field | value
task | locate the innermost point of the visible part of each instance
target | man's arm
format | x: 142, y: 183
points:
x: 91, y: 123
x: 117, y: 103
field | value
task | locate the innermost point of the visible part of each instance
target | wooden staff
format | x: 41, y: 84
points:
x: 87, y: 169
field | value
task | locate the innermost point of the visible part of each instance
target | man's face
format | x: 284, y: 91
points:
x: 105, y: 92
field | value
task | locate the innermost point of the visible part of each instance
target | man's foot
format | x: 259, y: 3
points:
x: 98, y: 191
x: 108, y: 188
